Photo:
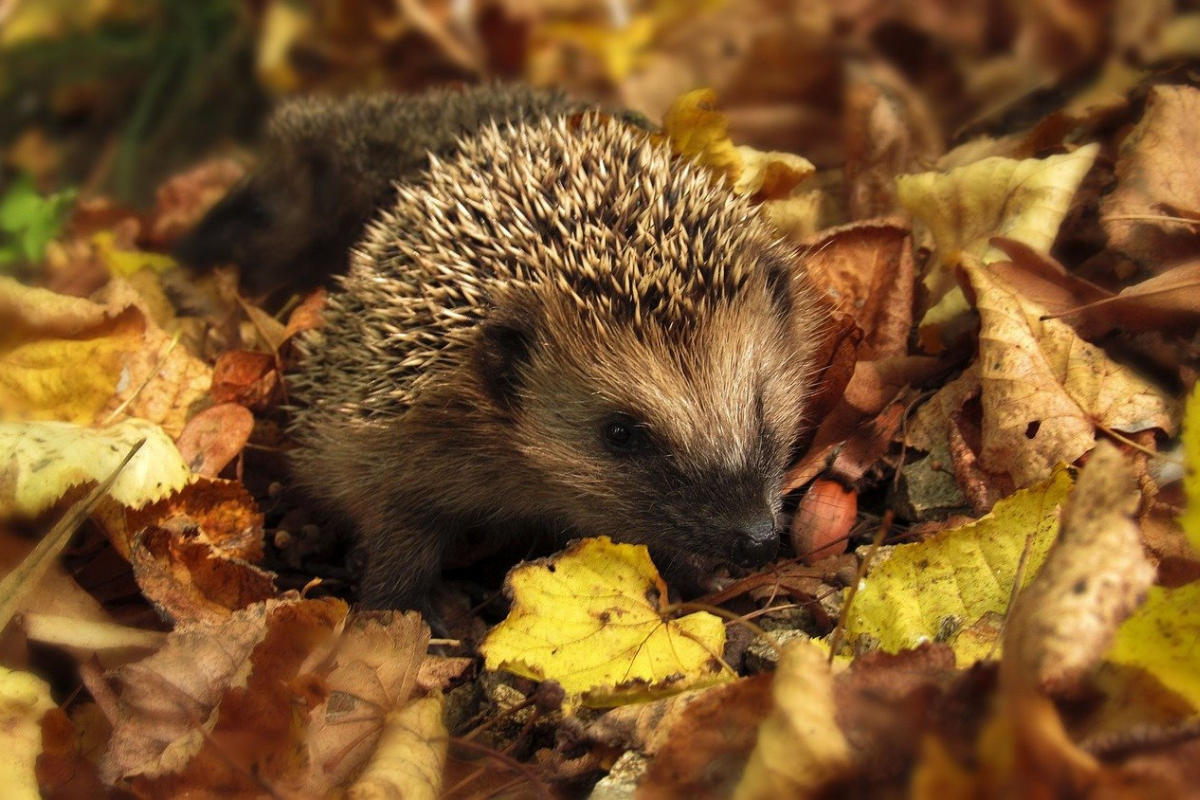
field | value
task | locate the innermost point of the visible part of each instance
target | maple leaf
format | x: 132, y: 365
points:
x: 592, y: 619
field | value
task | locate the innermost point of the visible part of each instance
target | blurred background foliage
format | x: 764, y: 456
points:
x: 113, y: 95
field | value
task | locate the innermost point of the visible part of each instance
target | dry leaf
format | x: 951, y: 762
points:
x: 704, y: 750
x: 866, y: 269
x: 214, y: 438
x: 409, y: 759
x: 1093, y: 578
x: 1045, y: 391
x: 800, y: 748
x: 1156, y: 177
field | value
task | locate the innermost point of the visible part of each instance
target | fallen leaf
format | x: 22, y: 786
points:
x: 592, y: 618
x: 246, y: 377
x: 214, y: 438
x: 1155, y: 175
x: 866, y: 269
x: 801, y: 749
x: 1094, y: 576
x: 1023, y: 200
x: 373, y: 673
x: 1160, y: 638
x: 24, y: 700
x: 183, y: 199
x: 61, y: 357
x: 219, y: 705
x: 1190, y: 519
x: 696, y: 130
x: 704, y: 750
x: 931, y: 590
x: 1045, y: 391
x: 409, y: 758
x: 42, y: 460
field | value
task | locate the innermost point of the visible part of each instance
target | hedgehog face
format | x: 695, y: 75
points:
x: 677, y: 438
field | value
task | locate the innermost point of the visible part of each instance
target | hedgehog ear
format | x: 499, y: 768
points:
x: 503, y: 348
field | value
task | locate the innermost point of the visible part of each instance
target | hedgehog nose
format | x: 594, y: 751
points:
x: 756, y: 544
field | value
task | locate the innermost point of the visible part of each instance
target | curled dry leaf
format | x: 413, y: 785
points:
x: 190, y: 580
x: 42, y: 460
x: 1093, y: 578
x: 247, y: 377
x: 1157, y: 177
x: 801, y: 750
x: 592, y: 618
x: 1023, y: 200
x: 216, y: 512
x: 695, y: 129
x: 1045, y: 391
x: 409, y: 758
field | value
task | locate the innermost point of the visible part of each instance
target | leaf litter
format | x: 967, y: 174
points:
x: 1012, y: 337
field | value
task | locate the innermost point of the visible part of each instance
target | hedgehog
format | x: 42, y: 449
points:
x: 563, y: 329
x: 329, y: 164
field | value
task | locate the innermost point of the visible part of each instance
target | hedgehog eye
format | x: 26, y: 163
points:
x: 622, y: 434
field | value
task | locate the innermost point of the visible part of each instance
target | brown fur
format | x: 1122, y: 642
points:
x: 549, y: 278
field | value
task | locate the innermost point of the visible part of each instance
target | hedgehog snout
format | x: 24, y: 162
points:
x: 755, y: 543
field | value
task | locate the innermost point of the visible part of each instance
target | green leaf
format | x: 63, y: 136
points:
x: 29, y: 222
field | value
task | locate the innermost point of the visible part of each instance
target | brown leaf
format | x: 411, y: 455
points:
x: 247, y: 377
x: 866, y: 268
x: 217, y: 708
x: 1158, y: 166
x: 190, y: 580
x: 705, y: 749
x: 1093, y: 578
x: 214, y: 437
x: 1045, y: 391
x: 222, y: 513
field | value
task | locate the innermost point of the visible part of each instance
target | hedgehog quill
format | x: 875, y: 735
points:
x: 560, y: 329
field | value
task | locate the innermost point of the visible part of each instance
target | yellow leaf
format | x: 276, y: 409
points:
x: 697, y: 130
x: 61, y: 357
x: 933, y: 589
x: 283, y: 24
x: 410, y: 755
x: 127, y: 262
x: 592, y: 618
x: 40, y: 461
x: 800, y: 749
x: 1024, y: 200
x: 24, y: 700
x: 1190, y: 520
x: 1160, y: 638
